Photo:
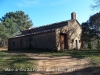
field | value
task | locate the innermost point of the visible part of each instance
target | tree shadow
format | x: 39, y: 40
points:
x: 79, y: 54
x: 85, y: 71
x: 73, y: 53
x: 83, y: 53
x: 13, y: 73
x: 14, y: 64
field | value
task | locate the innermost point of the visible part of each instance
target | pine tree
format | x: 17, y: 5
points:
x: 13, y: 23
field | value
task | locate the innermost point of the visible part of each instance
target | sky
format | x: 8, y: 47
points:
x: 43, y: 12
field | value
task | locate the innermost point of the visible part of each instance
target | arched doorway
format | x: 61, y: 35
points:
x: 76, y: 44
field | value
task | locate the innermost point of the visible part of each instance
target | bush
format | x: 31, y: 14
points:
x: 90, y: 46
x: 98, y: 44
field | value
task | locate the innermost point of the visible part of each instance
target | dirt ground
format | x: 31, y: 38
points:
x: 58, y: 65
x: 3, y: 49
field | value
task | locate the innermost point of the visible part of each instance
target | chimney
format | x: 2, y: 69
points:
x: 73, y: 16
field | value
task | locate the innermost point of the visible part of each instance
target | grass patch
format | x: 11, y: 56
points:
x: 94, y: 55
x: 74, y: 53
x: 11, y: 64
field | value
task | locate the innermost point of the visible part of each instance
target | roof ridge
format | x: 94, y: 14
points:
x: 48, y: 25
x: 52, y: 24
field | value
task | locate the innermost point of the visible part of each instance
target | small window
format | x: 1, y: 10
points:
x: 13, y: 44
x: 79, y: 41
x: 72, y: 40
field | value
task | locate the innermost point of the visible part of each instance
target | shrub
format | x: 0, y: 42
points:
x: 98, y: 44
x: 90, y: 46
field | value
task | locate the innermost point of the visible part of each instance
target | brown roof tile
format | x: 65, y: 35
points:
x: 49, y: 27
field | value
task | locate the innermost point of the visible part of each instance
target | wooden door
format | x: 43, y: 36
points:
x: 62, y: 41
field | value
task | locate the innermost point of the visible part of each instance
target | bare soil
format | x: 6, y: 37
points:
x: 58, y: 65
x: 3, y: 49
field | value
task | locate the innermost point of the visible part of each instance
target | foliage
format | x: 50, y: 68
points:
x: 91, y: 28
x: 85, y: 31
x: 96, y: 5
x: 13, y: 23
x: 16, y: 22
x: 90, y: 46
x: 3, y: 33
x: 98, y: 44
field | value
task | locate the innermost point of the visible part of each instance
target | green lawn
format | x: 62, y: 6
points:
x: 11, y: 64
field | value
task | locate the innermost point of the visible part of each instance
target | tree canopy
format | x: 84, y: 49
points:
x: 12, y: 23
x: 96, y: 4
x: 91, y: 28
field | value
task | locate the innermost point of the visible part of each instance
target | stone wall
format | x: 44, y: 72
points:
x: 17, y: 43
x: 73, y: 31
x: 42, y: 40
x: 50, y: 39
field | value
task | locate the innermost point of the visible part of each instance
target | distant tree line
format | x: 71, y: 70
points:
x: 91, y: 31
x: 91, y: 28
x: 11, y: 24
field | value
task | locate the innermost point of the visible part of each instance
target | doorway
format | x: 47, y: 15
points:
x: 76, y: 44
x: 63, y: 41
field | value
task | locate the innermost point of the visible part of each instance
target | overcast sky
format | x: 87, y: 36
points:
x: 43, y: 12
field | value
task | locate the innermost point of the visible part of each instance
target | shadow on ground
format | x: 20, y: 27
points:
x: 11, y: 64
x: 10, y: 60
x: 73, y: 53
x: 86, y: 71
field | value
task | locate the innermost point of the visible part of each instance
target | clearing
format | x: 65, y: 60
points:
x: 48, y: 63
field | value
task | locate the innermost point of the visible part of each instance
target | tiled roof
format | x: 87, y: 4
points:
x: 45, y: 28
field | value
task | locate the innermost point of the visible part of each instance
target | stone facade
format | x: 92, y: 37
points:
x: 18, y: 43
x: 73, y: 31
x: 44, y: 41
x: 57, y: 36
